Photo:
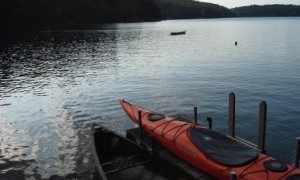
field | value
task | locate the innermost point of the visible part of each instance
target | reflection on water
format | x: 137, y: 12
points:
x: 44, y: 131
x: 55, y: 83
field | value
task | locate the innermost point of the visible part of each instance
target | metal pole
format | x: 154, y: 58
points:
x: 195, y: 115
x: 297, y: 152
x: 233, y: 175
x: 262, y: 126
x: 209, y: 119
x: 140, y: 127
x: 152, y: 144
x: 231, y: 128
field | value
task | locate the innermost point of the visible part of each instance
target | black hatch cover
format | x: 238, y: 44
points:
x: 222, y: 149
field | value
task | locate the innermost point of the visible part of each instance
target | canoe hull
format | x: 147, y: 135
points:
x: 117, y: 158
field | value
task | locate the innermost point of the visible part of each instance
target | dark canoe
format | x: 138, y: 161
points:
x: 177, y: 33
x: 117, y: 157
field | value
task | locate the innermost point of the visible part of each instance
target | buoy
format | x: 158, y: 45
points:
x: 235, y: 43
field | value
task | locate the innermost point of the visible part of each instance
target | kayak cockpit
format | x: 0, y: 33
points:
x: 156, y: 116
x: 221, y: 148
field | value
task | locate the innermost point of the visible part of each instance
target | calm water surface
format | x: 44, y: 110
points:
x: 54, y: 84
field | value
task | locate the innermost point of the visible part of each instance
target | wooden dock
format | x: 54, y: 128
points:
x: 194, y: 173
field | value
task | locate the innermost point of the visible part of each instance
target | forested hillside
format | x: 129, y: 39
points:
x: 267, y: 10
x: 27, y: 13
x: 45, y: 12
x: 190, y: 9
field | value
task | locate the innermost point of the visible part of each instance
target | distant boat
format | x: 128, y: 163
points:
x: 177, y: 33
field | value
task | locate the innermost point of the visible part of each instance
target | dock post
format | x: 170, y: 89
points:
x: 140, y: 127
x: 152, y: 144
x: 231, y: 128
x: 209, y: 119
x: 297, y: 152
x: 262, y: 126
x: 195, y: 115
x: 233, y: 175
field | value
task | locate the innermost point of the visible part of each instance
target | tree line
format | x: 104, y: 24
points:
x: 26, y: 13
x: 267, y: 10
x: 190, y: 9
x: 47, y: 12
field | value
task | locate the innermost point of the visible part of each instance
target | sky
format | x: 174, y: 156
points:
x: 237, y: 3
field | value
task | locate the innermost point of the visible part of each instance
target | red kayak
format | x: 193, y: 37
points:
x: 210, y: 151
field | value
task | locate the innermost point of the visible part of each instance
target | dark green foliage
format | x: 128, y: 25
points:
x: 27, y: 13
x: 267, y: 10
x: 20, y: 13
x: 45, y: 12
x: 188, y: 9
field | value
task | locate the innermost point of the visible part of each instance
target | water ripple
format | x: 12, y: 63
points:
x: 54, y: 84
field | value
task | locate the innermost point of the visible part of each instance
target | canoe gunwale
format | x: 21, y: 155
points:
x: 98, y: 167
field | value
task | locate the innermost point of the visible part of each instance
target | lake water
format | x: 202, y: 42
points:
x: 54, y: 84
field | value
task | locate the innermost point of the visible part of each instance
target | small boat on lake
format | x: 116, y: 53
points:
x: 177, y: 33
x: 209, y: 151
x: 118, y: 158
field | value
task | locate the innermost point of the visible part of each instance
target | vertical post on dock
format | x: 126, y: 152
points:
x: 209, y: 119
x: 152, y: 144
x: 195, y: 115
x: 140, y: 127
x: 232, y: 175
x: 231, y: 128
x: 262, y: 126
x: 297, y: 152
